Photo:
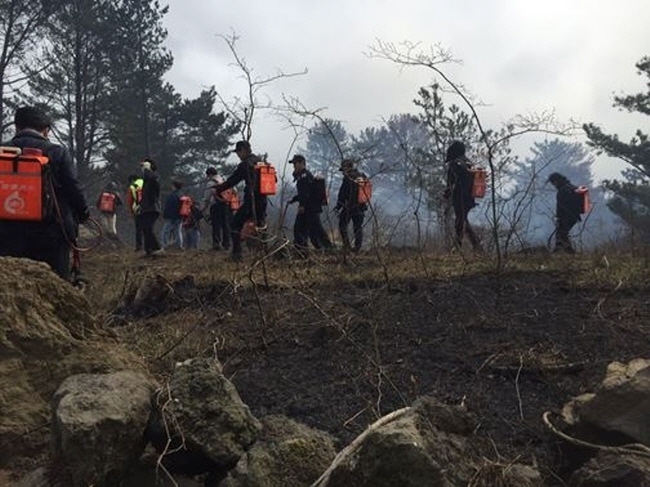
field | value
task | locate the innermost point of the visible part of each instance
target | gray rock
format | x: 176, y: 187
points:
x: 621, y: 404
x: 422, y: 446
x: 287, y: 453
x: 613, y: 470
x: 205, y: 415
x: 98, y: 425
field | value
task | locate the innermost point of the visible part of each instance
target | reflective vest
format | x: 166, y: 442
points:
x: 136, y: 193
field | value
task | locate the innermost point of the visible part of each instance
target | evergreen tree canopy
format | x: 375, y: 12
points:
x: 631, y: 196
x: 328, y: 143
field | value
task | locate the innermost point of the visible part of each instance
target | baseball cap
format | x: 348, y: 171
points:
x: 242, y: 144
x: 297, y: 158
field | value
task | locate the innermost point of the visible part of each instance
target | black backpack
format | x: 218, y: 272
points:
x: 319, y: 191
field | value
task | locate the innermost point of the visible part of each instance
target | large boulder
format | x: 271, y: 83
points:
x: 99, y: 424
x: 202, y: 423
x: 47, y: 333
x: 422, y: 446
x: 286, y: 453
x: 620, y: 406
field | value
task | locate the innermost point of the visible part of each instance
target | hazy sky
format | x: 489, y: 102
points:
x: 518, y: 57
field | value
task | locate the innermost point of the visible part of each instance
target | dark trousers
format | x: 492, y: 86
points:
x: 244, y: 214
x: 139, y: 235
x: 53, y: 251
x: 462, y: 227
x: 221, y: 220
x: 357, y: 225
x: 148, y: 221
x: 309, y: 226
x: 562, y: 239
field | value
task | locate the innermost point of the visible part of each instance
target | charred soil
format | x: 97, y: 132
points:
x: 336, y: 343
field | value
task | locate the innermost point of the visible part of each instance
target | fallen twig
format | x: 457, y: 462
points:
x: 630, y: 448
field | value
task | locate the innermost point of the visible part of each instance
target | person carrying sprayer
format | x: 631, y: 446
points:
x: 48, y: 237
x: 567, y: 211
x: 459, y: 189
x: 254, y: 205
x: 349, y: 205
x: 107, y: 202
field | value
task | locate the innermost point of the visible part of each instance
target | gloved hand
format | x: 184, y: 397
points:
x: 84, y: 216
x: 145, y: 165
x: 301, y: 209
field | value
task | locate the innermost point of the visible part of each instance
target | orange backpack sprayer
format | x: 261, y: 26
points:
x: 320, y: 191
x: 267, y: 178
x: 186, y: 206
x: 107, y: 202
x: 364, y: 192
x: 479, y: 182
x: 585, y: 203
x: 26, y: 192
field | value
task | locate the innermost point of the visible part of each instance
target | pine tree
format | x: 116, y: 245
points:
x: 74, y: 84
x: 21, y: 24
x: 631, y: 196
x: 148, y: 117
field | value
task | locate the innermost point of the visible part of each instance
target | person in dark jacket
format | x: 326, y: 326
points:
x: 567, y: 211
x: 307, y: 224
x: 254, y: 204
x: 348, y: 206
x: 172, y: 233
x: 217, y: 206
x: 459, y: 189
x: 149, y: 208
x: 51, y: 239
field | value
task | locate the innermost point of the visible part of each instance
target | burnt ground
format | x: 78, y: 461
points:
x: 336, y: 344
